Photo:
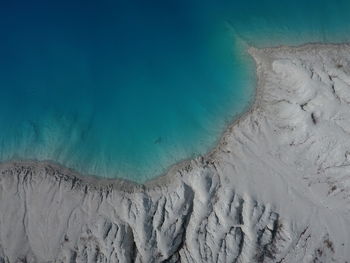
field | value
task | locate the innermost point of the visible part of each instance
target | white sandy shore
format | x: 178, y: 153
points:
x: 275, y: 189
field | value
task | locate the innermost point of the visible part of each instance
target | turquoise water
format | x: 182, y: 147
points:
x: 127, y: 88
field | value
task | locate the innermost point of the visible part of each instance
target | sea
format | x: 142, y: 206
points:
x: 128, y: 88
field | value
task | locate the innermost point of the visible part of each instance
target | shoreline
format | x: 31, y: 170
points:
x: 173, y: 172
x: 276, y: 180
x: 170, y: 171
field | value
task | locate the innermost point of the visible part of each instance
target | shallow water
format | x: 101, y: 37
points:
x: 128, y: 88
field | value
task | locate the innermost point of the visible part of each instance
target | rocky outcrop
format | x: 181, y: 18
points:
x: 275, y: 189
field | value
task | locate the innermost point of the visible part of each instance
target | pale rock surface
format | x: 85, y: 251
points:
x: 275, y: 189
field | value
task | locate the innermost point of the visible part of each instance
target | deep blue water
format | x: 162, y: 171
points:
x: 126, y: 88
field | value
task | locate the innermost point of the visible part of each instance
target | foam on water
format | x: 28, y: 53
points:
x: 128, y: 88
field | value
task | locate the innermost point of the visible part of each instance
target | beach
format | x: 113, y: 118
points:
x: 274, y: 189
